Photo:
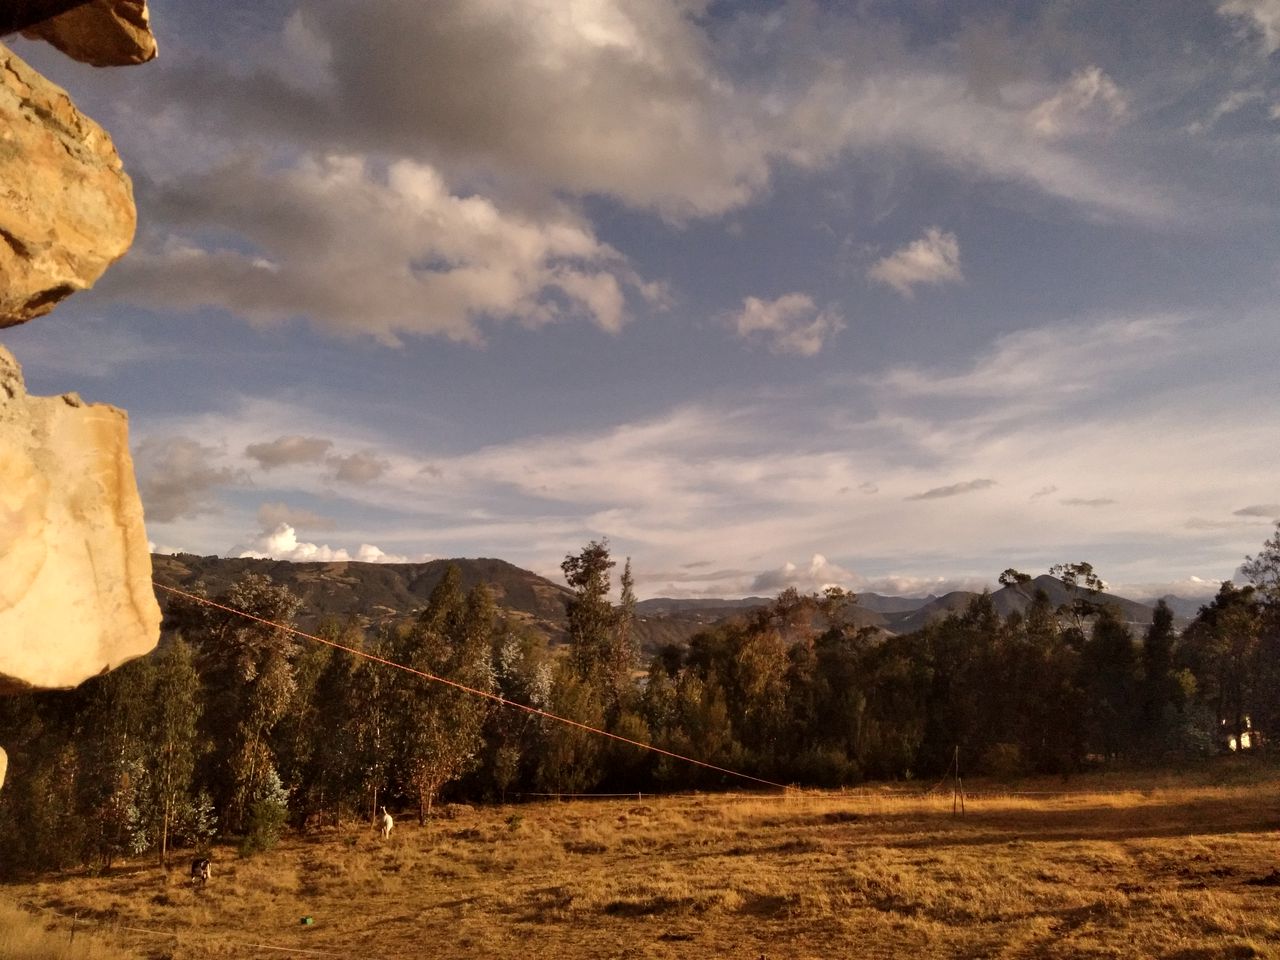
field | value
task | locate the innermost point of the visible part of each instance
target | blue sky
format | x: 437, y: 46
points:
x: 885, y: 295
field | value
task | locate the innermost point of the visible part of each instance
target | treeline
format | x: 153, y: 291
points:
x: 234, y: 729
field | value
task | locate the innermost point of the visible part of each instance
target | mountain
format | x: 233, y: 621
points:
x: 377, y: 593
x: 1185, y: 607
x: 1017, y: 598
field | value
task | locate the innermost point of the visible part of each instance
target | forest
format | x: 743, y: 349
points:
x: 235, y: 730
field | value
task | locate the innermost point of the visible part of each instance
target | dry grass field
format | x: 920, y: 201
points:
x: 1162, y: 866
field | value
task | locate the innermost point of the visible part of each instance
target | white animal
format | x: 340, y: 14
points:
x: 387, y: 824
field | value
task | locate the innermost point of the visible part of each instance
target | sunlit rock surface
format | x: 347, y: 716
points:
x: 105, y: 33
x: 66, y: 204
x: 75, y: 572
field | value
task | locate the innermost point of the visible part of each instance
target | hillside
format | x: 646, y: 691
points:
x: 375, y: 593
x: 1012, y: 599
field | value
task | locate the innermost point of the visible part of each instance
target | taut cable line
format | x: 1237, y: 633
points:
x: 496, y: 698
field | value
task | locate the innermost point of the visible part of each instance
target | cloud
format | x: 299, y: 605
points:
x: 660, y: 105
x: 364, y: 467
x: 282, y: 543
x: 1046, y: 364
x: 177, y: 477
x: 954, y: 490
x: 819, y: 574
x: 790, y: 324
x: 288, y: 450
x: 1261, y: 16
x: 932, y: 260
x: 746, y: 471
x: 1090, y: 96
x: 1268, y: 511
x: 1188, y: 588
x: 426, y: 261
x: 1043, y: 492
x: 271, y: 515
x: 1081, y: 502
x: 1207, y: 523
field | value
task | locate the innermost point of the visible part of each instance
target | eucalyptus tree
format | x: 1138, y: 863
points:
x: 441, y: 725
x: 247, y: 667
x: 173, y: 714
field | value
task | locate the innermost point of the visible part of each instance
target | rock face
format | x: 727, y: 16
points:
x: 105, y: 33
x: 66, y: 204
x: 75, y: 573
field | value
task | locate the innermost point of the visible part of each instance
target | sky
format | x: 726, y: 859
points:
x: 889, y: 296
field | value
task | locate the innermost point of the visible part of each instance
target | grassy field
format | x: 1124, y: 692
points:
x: 1162, y: 866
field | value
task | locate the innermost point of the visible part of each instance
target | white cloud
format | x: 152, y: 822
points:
x: 282, y: 543
x: 358, y: 250
x: 1087, y: 502
x: 790, y: 324
x: 178, y: 477
x: 1047, y: 364
x: 819, y: 574
x: 1090, y: 97
x: 1188, y: 588
x: 1261, y: 16
x: 932, y: 260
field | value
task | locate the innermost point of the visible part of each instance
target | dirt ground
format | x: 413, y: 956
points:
x: 1144, y: 867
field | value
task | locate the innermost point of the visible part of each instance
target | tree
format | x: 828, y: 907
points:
x: 248, y: 671
x: 1110, y: 681
x: 1263, y: 571
x: 1085, y: 587
x: 440, y: 736
x: 569, y: 757
x: 1160, y: 688
x: 590, y: 618
x: 1220, y: 647
x: 1014, y: 578
x: 113, y: 740
x: 625, y: 652
x: 172, y: 745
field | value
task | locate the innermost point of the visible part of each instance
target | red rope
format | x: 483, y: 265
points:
x: 472, y: 690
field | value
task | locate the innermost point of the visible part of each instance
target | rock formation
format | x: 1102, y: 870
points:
x: 66, y: 205
x: 75, y: 572
x: 105, y: 33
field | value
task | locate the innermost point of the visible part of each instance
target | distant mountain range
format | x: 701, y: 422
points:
x: 375, y: 593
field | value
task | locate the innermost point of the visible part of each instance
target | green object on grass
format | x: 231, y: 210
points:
x: 307, y: 921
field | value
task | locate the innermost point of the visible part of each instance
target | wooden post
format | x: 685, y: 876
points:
x: 957, y: 788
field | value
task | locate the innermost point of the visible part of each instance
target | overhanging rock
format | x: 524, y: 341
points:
x: 75, y: 571
x: 66, y: 204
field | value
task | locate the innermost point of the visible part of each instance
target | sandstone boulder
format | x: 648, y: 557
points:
x: 75, y: 571
x: 66, y: 204
x: 105, y: 33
